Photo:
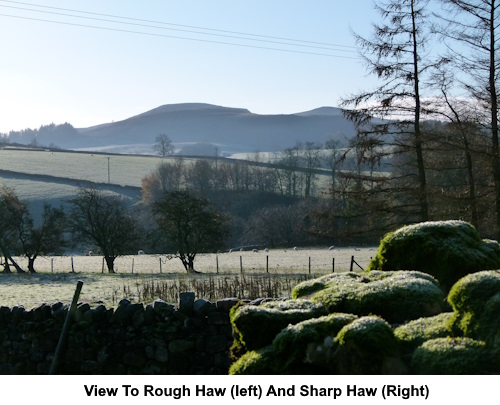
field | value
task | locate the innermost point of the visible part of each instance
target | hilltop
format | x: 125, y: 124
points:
x: 230, y: 130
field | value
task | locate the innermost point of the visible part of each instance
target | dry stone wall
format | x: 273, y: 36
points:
x: 159, y: 338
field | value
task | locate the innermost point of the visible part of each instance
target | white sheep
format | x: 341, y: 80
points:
x: 141, y: 252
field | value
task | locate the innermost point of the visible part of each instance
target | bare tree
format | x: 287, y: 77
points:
x: 190, y: 226
x: 163, y: 145
x: 395, y: 55
x: 104, y: 221
x: 474, y: 26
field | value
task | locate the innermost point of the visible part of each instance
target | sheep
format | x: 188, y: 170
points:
x: 141, y: 252
x: 267, y: 250
x: 255, y: 251
x: 331, y: 248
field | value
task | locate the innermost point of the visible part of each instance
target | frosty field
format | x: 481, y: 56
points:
x: 137, y: 276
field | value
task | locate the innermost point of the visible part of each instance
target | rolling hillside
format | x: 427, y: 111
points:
x: 230, y: 130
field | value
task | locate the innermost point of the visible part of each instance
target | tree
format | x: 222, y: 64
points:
x: 163, y: 145
x: 12, y: 214
x: 471, y: 29
x: 395, y: 54
x: 47, y: 238
x: 104, y: 221
x: 189, y: 225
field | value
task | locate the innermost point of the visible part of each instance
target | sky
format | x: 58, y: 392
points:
x: 126, y: 57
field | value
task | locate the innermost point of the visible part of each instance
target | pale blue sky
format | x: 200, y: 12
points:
x: 57, y: 72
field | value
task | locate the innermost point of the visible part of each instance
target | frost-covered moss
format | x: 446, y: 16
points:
x: 455, y: 356
x: 448, y: 250
x: 311, y: 342
x: 476, y: 303
x: 414, y: 333
x: 256, y: 362
x: 395, y: 296
x: 256, y: 326
x: 368, y: 346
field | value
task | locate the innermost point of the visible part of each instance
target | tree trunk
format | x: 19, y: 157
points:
x: 110, y: 262
x: 6, y: 266
x: 17, y: 267
x: 31, y: 264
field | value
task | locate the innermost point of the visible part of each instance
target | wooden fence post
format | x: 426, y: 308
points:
x: 103, y: 265
x: 65, y: 330
x: 267, y: 264
x: 217, y: 263
x: 160, y: 266
x: 309, y: 264
x: 52, y: 264
x: 352, y: 262
x: 241, y: 264
x: 333, y: 264
x: 72, y: 265
x: 133, y: 265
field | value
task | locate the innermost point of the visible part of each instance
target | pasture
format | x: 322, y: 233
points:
x: 143, y: 282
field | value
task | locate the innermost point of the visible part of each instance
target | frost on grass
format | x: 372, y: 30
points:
x: 395, y: 296
x: 476, y: 303
x: 448, y: 250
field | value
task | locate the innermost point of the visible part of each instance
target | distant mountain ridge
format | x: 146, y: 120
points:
x: 230, y: 130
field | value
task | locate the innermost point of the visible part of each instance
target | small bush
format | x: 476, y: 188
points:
x: 454, y: 356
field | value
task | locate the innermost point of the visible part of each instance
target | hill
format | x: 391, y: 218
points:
x: 230, y: 130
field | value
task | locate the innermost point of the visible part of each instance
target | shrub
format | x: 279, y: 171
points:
x: 476, y: 303
x: 256, y: 362
x: 448, y: 250
x: 395, y: 296
x: 454, y: 356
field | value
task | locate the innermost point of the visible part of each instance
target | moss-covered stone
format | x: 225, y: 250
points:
x: 311, y: 342
x: 256, y: 362
x: 368, y: 346
x: 448, y: 250
x: 475, y: 300
x: 395, y: 296
x: 455, y: 356
x: 414, y: 333
x: 256, y: 326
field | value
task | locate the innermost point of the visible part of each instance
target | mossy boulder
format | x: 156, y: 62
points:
x: 255, y: 327
x: 368, y: 346
x: 448, y: 250
x: 415, y: 333
x: 475, y: 300
x: 257, y: 362
x: 395, y: 296
x: 310, y: 343
x: 455, y: 356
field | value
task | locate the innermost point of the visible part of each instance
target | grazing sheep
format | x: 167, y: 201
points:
x: 141, y: 252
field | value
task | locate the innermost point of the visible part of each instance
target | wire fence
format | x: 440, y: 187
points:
x: 290, y: 261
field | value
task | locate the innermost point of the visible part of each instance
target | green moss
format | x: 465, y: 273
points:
x: 475, y: 300
x: 258, y: 362
x: 395, y: 296
x: 256, y: 326
x: 448, y: 250
x: 414, y: 333
x: 310, y: 342
x: 455, y: 356
x: 368, y: 346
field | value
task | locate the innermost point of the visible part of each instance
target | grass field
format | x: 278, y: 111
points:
x: 55, y: 282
